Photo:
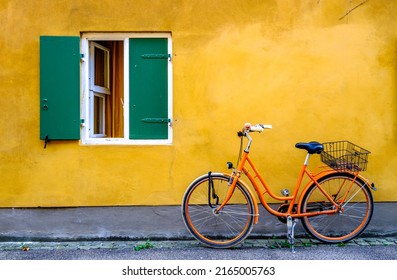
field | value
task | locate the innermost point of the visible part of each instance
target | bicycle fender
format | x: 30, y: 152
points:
x: 326, y: 171
x: 332, y: 171
x: 256, y: 210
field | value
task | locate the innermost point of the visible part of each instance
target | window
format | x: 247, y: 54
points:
x: 126, y: 88
x: 118, y: 88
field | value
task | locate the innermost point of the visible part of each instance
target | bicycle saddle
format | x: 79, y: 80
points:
x: 311, y: 147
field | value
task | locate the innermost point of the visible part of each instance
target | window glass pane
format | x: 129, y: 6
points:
x: 100, y: 68
x: 98, y: 114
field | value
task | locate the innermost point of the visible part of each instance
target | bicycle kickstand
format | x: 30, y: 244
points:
x: 291, y: 223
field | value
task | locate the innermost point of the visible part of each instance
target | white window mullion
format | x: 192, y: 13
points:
x: 170, y: 90
x: 126, y: 105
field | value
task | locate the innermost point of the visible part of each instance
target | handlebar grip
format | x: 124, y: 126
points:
x: 256, y: 127
x: 267, y: 126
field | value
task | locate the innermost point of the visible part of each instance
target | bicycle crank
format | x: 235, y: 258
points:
x: 283, y: 208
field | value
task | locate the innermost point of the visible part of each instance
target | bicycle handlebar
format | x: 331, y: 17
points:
x: 248, y: 127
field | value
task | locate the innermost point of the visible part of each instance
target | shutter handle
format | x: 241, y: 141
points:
x: 46, y: 140
x: 45, y: 106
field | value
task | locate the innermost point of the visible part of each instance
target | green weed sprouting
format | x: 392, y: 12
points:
x: 147, y: 245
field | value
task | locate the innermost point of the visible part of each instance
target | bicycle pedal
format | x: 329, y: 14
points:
x: 285, y: 192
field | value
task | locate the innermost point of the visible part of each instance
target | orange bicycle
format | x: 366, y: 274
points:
x: 336, y: 205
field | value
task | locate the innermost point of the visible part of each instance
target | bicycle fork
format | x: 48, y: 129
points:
x: 291, y: 223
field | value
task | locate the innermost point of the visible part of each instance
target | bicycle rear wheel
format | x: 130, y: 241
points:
x: 353, y: 217
x: 224, y: 229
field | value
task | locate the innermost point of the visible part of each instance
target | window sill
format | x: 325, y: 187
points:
x: 122, y: 141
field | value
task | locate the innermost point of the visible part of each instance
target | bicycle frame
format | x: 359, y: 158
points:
x: 292, y: 199
x: 333, y: 201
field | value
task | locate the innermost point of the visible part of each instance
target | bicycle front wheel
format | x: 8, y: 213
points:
x: 356, y: 207
x: 227, y: 228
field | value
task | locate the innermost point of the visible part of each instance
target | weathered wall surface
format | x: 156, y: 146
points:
x: 293, y: 64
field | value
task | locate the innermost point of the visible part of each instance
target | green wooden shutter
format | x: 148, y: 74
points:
x: 148, y: 88
x: 59, y: 88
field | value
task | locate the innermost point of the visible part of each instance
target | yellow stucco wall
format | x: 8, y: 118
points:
x: 293, y: 64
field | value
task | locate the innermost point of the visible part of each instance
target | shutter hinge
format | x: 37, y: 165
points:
x: 156, y: 120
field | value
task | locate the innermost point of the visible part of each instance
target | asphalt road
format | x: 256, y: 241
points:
x: 324, y: 253
x: 362, y: 259
x: 369, y: 249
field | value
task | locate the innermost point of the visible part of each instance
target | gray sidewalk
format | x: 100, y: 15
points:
x: 143, y: 223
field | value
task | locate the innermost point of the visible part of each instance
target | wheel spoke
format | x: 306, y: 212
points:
x: 223, y: 229
x: 350, y: 220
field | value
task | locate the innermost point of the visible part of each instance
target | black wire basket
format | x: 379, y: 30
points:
x: 345, y: 156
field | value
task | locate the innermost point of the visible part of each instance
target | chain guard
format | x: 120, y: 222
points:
x: 283, y: 209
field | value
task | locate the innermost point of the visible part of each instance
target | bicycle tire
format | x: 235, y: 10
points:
x: 346, y: 224
x: 225, y: 229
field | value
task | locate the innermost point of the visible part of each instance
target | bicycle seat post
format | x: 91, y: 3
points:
x: 307, y: 159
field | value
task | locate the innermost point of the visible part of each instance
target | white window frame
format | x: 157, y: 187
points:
x: 86, y: 138
x: 98, y: 91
